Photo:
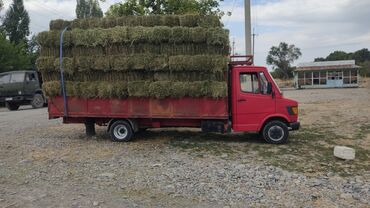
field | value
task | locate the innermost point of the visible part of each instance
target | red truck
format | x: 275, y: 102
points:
x: 255, y: 104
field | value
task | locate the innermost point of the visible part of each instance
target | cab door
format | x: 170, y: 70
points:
x: 253, y: 102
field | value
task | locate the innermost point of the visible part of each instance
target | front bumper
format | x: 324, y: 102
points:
x: 294, y: 126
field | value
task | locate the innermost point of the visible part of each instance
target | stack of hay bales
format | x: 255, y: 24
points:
x: 137, y: 56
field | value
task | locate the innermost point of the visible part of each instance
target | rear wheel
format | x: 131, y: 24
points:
x: 12, y: 106
x: 121, y: 131
x: 37, y: 101
x: 275, y: 132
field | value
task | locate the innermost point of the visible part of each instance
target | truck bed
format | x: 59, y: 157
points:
x: 140, y: 108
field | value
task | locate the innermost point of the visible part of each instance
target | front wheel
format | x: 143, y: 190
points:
x: 275, y: 132
x: 37, y: 101
x: 121, y: 131
x: 12, y: 106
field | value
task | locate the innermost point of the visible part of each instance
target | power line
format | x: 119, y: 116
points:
x: 232, y: 11
x: 51, y: 10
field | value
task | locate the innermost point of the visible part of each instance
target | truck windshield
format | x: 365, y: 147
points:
x: 17, y: 77
x: 5, y: 78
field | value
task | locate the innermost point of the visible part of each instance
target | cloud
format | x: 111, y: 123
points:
x: 317, y: 27
x: 42, y: 11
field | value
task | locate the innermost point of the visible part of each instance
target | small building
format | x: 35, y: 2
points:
x: 327, y: 74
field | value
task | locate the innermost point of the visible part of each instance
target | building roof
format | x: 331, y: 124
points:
x: 327, y: 65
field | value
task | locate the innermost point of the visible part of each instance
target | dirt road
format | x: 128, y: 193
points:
x: 46, y: 164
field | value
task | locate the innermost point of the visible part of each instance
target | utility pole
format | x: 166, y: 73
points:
x: 248, y: 32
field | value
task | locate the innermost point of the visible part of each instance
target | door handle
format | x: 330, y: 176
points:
x: 242, y: 100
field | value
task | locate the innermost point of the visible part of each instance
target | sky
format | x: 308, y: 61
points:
x: 317, y: 27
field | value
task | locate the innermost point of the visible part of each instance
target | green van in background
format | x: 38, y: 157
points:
x: 21, y: 88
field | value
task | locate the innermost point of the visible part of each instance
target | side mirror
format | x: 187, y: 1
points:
x: 269, y: 88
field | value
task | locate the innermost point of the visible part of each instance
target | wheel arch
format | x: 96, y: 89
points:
x: 281, y: 118
x: 132, y: 122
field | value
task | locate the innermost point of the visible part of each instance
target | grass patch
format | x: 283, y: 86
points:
x: 309, y: 150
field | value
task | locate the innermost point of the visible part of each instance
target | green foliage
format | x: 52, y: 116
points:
x: 88, y: 8
x: 281, y: 58
x: 362, y: 58
x: 16, y: 23
x: 148, y: 7
x: 13, y: 57
x: 33, y: 51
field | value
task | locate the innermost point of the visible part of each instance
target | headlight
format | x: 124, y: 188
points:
x: 19, y: 92
x: 293, y: 110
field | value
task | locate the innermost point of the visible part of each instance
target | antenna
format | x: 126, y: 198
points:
x: 233, y: 46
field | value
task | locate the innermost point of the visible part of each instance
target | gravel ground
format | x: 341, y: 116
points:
x: 44, y: 163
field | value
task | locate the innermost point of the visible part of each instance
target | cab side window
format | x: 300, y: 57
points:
x: 4, y: 79
x: 249, y: 83
x: 30, y: 77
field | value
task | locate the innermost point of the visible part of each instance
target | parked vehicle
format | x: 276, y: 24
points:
x: 21, y: 88
x: 255, y: 104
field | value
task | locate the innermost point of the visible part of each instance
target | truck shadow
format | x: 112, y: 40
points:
x: 197, y: 137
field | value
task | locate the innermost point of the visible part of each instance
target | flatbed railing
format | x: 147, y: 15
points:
x: 239, y: 60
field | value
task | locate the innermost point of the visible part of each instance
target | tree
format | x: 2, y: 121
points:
x: 338, y: 55
x: 16, y: 23
x: 148, y: 7
x: 281, y: 58
x: 33, y: 51
x: 12, y: 57
x: 88, y: 8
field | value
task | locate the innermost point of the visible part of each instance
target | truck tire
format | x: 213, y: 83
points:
x: 12, y: 106
x: 275, y: 132
x: 38, y: 101
x: 120, y: 131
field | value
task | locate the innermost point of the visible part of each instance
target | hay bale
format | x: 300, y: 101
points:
x: 198, y: 35
x: 209, y: 21
x: 89, y: 89
x: 151, y: 21
x: 120, y: 90
x: 75, y: 24
x: 118, y: 35
x: 83, y: 63
x: 160, y: 34
x: 207, y: 63
x: 58, y: 24
x: 189, y: 20
x: 138, y: 88
x: 218, y: 36
x: 160, y: 89
x: 94, y: 22
x: 120, y: 63
x: 170, y: 20
x: 44, y: 64
x: 51, y: 89
x: 157, y: 63
x: 179, y: 35
x: 68, y: 65
x: 106, y: 90
x: 109, y: 22
x: 138, y: 34
x: 101, y: 63
x: 90, y: 38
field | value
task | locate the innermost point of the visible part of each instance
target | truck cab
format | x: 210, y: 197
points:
x: 258, y: 105
x: 21, y: 88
